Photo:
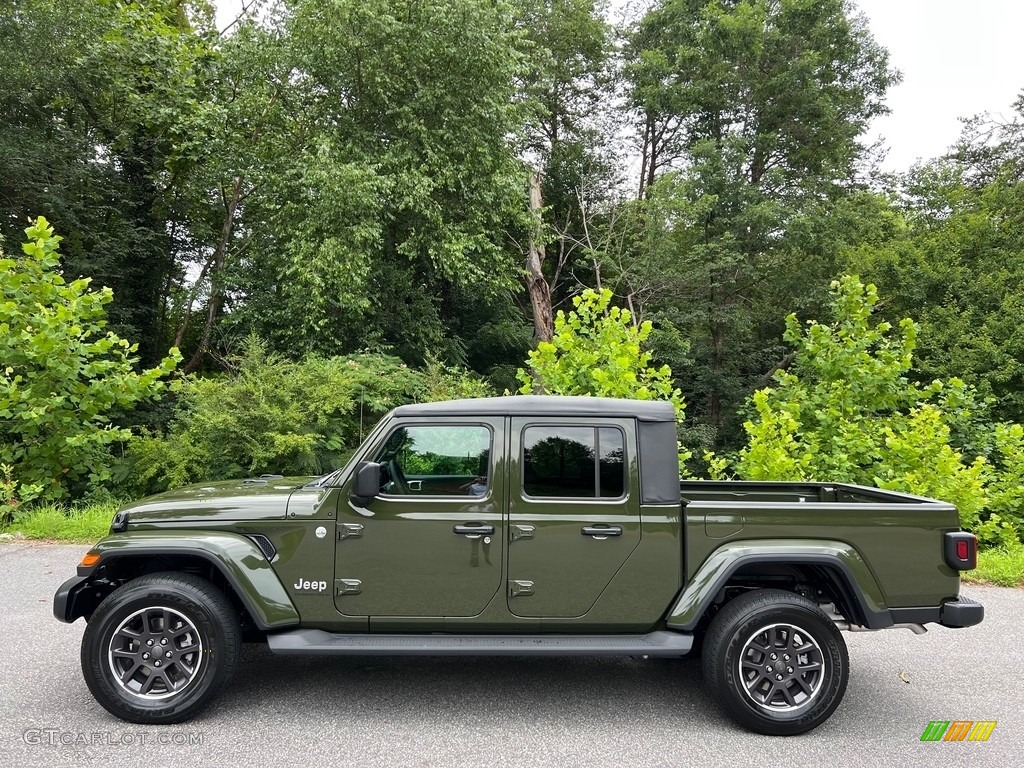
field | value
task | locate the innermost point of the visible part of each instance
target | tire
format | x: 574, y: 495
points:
x: 749, y: 655
x: 160, y: 648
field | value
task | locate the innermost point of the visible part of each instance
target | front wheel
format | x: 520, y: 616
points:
x: 776, y: 662
x: 160, y: 648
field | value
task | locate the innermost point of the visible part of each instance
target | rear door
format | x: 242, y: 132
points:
x: 574, y: 516
x: 430, y: 545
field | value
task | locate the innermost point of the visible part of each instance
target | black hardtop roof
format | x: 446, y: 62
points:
x: 544, y: 405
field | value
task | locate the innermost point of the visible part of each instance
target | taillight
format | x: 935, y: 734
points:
x: 961, y: 550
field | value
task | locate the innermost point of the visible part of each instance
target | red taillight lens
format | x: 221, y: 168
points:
x: 961, y: 550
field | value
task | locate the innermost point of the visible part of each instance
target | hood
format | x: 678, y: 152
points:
x: 255, y: 499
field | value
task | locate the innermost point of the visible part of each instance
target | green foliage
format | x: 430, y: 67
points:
x: 749, y: 115
x: 64, y: 376
x: 407, y: 180
x: 446, y: 382
x: 958, y: 265
x: 107, y: 110
x: 1005, y: 524
x: 847, y: 412
x: 598, y: 350
x: 273, y: 415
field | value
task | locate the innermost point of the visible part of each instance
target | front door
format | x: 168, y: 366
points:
x: 430, y: 545
x: 574, y: 516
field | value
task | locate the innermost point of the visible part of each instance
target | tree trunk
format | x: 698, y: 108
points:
x: 217, y: 263
x: 536, y: 284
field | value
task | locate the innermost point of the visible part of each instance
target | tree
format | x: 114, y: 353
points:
x: 957, y: 262
x: 597, y: 350
x: 64, y: 376
x: 392, y: 219
x: 107, y: 110
x: 569, y: 89
x: 748, y: 114
x: 846, y: 411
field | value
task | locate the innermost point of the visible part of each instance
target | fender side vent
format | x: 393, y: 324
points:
x: 266, y: 547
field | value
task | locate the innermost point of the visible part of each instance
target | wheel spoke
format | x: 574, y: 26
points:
x: 784, y: 690
x: 757, y: 644
x: 151, y: 680
x: 130, y: 673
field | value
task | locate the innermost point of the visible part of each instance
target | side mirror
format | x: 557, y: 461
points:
x: 367, y: 483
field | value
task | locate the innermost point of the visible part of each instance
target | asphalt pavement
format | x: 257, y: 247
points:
x: 284, y: 711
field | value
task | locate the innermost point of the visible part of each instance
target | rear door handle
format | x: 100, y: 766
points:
x: 473, y: 529
x: 601, y: 531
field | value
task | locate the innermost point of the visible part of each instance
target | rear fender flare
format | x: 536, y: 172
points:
x: 859, y: 582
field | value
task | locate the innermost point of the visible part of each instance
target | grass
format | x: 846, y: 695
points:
x: 1003, y: 567
x: 82, y: 524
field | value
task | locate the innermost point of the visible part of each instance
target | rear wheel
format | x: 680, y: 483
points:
x: 776, y: 662
x: 160, y: 648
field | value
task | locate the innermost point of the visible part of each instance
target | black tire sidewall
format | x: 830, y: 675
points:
x: 728, y: 647
x: 208, y: 614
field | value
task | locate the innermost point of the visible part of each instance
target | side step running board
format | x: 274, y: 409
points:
x: 316, y: 642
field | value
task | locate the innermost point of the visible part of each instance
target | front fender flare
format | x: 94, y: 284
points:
x: 235, y: 557
x: 859, y: 582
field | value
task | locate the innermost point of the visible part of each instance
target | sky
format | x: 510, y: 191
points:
x: 958, y: 58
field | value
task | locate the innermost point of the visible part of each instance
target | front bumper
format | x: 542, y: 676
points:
x: 64, y: 599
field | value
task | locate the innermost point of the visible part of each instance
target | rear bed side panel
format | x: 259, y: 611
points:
x: 901, y: 543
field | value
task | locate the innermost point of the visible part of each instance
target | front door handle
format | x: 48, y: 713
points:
x: 601, y: 531
x: 474, y: 530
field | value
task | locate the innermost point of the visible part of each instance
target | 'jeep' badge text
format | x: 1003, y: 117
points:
x: 313, y: 586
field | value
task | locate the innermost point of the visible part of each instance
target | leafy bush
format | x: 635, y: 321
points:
x: 847, y: 412
x: 598, y: 350
x: 63, y: 377
x: 279, y: 416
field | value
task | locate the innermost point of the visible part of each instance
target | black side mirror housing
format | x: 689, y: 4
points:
x: 367, y: 484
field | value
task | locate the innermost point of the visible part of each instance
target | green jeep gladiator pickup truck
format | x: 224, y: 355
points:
x: 515, y: 526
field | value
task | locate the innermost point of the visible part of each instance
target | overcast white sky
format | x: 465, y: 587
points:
x: 958, y: 58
